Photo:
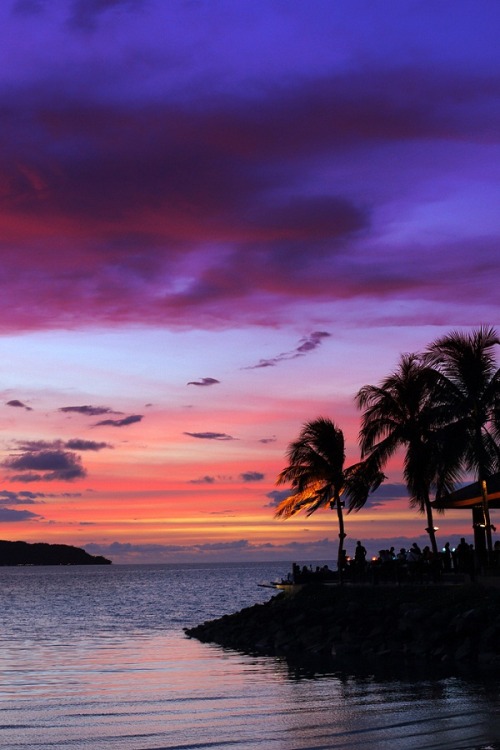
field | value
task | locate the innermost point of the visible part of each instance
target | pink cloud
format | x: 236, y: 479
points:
x: 132, y: 213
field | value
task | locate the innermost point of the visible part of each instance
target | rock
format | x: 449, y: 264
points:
x: 408, y: 625
x: 464, y: 651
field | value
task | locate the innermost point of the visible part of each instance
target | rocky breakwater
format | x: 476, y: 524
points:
x: 457, y: 627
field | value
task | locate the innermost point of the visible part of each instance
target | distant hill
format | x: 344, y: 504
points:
x: 23, y: 553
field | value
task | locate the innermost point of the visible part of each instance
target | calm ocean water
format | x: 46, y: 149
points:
x: 96, y: 659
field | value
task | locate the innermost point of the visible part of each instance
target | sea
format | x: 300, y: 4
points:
x: 96, y: 658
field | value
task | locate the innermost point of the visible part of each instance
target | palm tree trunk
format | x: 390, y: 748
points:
x: 342, y: 535
x: 430, y: 526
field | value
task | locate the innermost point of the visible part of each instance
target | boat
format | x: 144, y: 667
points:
x: 300, y: 577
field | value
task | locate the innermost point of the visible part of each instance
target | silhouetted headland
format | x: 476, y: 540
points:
x: 40, y: 553
x: 426, y: 628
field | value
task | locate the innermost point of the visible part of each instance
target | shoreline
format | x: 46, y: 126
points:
x: 430, y: 628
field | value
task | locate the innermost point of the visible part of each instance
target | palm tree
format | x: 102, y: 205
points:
x: 470, y: 391
x: 319, y: 479
x: 403, y: 411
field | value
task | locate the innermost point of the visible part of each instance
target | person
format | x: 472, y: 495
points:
x: 343, y: 561
x: 472, y: 563
x: 496, y: 554
x: 447, y: 557
x: 414, y: 560
x: 401, y: 565
x: 360, y: 555
x: 359, y: 565
x: 431, y: 565
x: 463, y: 556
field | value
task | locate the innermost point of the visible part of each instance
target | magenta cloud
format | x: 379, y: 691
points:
x: 194, y: 194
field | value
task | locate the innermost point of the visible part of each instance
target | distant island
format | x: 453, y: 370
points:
x: 40, y: 553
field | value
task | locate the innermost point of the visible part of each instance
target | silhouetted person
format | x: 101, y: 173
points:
x: 360, y: 557
x: 472, y: 562
x: 447, y: 557
x: 496, y: 554
x: 464, y: 557
x: 414, y: 561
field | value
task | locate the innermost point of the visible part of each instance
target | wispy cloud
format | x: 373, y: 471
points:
x: 203, y: 480
x: 306, y: 345
x: 210, y: 435
x: 27, y: 497
x: 252, y: 476
x: 74, y: 444
x: 20, y: 498
x: 18, y: 404
x: 120, y: 422
x: 204, y: 381
x: 89, y: 411
x: 77, y: 444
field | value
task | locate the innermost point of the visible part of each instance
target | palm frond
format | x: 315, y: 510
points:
x: 314, y: 496
x: 360, y: 480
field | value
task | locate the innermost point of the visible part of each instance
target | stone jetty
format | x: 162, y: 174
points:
x: 452, y: 627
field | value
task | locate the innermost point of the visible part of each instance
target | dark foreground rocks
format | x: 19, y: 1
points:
x: 421, y: 627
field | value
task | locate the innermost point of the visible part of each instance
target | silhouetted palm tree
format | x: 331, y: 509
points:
x: 319, y: 479
x: 470, y: 393
x: 404, y: 411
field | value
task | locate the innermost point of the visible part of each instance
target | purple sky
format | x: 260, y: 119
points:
x: 269, y: 197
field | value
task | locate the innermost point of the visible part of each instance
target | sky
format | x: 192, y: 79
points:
x: 218, y: 220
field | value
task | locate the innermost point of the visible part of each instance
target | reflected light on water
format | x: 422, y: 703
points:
x: 113, y: 683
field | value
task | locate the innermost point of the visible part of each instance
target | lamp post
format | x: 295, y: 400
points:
x: 487, y: 522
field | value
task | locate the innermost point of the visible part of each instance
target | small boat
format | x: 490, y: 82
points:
x: 283, y: 585
x: 298, y: 578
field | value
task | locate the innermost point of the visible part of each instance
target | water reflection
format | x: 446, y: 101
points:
x: 122, y: 683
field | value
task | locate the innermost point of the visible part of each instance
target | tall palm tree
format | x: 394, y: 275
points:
x: 319, y: 479
x: 403, y: 412
x: 470, y: 392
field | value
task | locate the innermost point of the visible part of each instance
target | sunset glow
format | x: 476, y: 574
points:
x: 219, y: 221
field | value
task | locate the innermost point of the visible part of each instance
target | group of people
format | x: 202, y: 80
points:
x: 413, y: 564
